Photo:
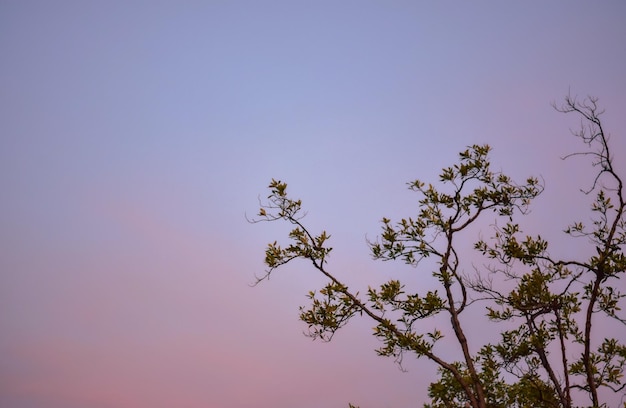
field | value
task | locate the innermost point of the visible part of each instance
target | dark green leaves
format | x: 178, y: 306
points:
x: 330, y: 310
x: 474, y: 189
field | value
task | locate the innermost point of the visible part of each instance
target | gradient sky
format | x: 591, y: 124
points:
x: 136, y: 135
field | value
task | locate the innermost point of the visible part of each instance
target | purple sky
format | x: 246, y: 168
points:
x: 135, y: 136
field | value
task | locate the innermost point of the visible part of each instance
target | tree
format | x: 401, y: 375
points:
x: 549, y: 355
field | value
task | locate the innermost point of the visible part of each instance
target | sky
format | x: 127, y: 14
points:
x: 137, y: 136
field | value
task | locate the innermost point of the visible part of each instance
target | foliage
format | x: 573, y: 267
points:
x: 548, y: 355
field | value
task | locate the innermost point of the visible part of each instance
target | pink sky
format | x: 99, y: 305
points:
x: 135, y: 136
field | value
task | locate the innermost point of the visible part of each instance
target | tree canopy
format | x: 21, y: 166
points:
x: 549, y: 354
